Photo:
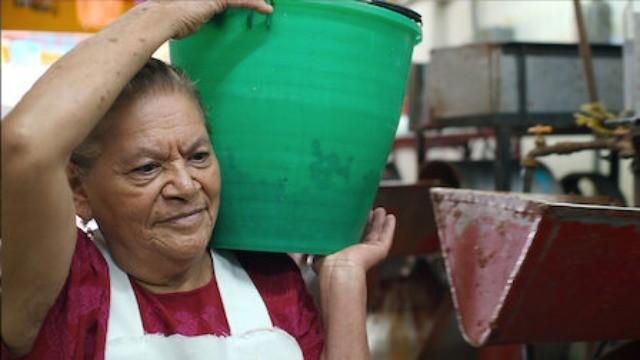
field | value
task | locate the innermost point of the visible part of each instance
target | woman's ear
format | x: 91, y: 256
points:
x: 80, y: 198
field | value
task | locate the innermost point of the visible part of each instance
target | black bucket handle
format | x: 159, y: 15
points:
x: 398, y: 8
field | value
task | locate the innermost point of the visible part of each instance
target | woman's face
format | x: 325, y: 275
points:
x: 154, y: 189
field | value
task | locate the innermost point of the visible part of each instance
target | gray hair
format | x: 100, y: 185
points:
x: 155, y: 76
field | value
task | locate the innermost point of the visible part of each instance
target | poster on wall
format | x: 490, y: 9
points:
x: 26, y: 55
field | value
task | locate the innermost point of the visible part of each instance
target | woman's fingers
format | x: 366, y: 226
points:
x: 257, y: 5
x: 380, y: 239
x: 191, y: 14
x: 376, y: 243
x: 367, y: 227
x: 375, y: 226
x: 388, y: 229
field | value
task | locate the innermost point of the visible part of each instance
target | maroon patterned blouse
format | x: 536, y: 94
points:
x: 75, y: 327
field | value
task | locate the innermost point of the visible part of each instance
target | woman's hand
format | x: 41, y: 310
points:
x: 374, y: 247
x: 190, y: 14
x: 343, y: 292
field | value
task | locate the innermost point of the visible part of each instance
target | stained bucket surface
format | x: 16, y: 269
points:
x: 302, y: 106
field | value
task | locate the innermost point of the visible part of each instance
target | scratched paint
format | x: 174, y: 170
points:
x: 527, y: 270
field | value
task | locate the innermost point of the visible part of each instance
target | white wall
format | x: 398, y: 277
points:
x: 16, y: 79
x: 443, y: 24
x: 449, y: 22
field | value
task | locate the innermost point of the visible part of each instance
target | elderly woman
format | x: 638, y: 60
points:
x: 109, y: 135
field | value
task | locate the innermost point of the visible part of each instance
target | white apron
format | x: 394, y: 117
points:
x: 252, y: 333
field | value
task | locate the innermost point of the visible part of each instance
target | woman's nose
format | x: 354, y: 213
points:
x: 181, y: 184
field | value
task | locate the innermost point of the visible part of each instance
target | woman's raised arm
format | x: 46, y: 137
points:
x: 38, y: 137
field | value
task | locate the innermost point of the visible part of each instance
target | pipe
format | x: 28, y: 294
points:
x: 527, y: 179
x: 567, y: 147
x: 620, y: 146
x: 585, y: 53
x: 475, y: 24
x: 636, y: 164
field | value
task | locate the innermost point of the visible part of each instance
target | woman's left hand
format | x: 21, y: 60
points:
x: 374, y: 247
x: 188, y: 16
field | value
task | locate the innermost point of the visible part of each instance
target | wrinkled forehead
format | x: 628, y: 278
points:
x: 154, y: 118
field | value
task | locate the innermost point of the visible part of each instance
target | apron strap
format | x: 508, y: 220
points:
x: 124, y: 314
x: 243, y: 305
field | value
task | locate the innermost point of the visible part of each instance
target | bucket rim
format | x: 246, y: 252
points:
x: 361, y: 7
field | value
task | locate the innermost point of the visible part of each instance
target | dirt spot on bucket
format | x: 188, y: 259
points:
x: 328, y: 167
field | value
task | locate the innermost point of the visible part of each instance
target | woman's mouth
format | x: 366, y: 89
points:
x: 185, y: 219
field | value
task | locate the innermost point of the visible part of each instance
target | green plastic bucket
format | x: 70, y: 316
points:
x: 303, y: 107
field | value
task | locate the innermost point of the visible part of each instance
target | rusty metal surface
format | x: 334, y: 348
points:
x: 416, y: 231
x: 524, y: 269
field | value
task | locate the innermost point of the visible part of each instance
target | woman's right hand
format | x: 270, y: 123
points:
x: 190, y: 14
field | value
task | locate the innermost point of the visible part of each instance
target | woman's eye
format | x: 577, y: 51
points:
x: 200, y: 157
x: 147, y: 169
